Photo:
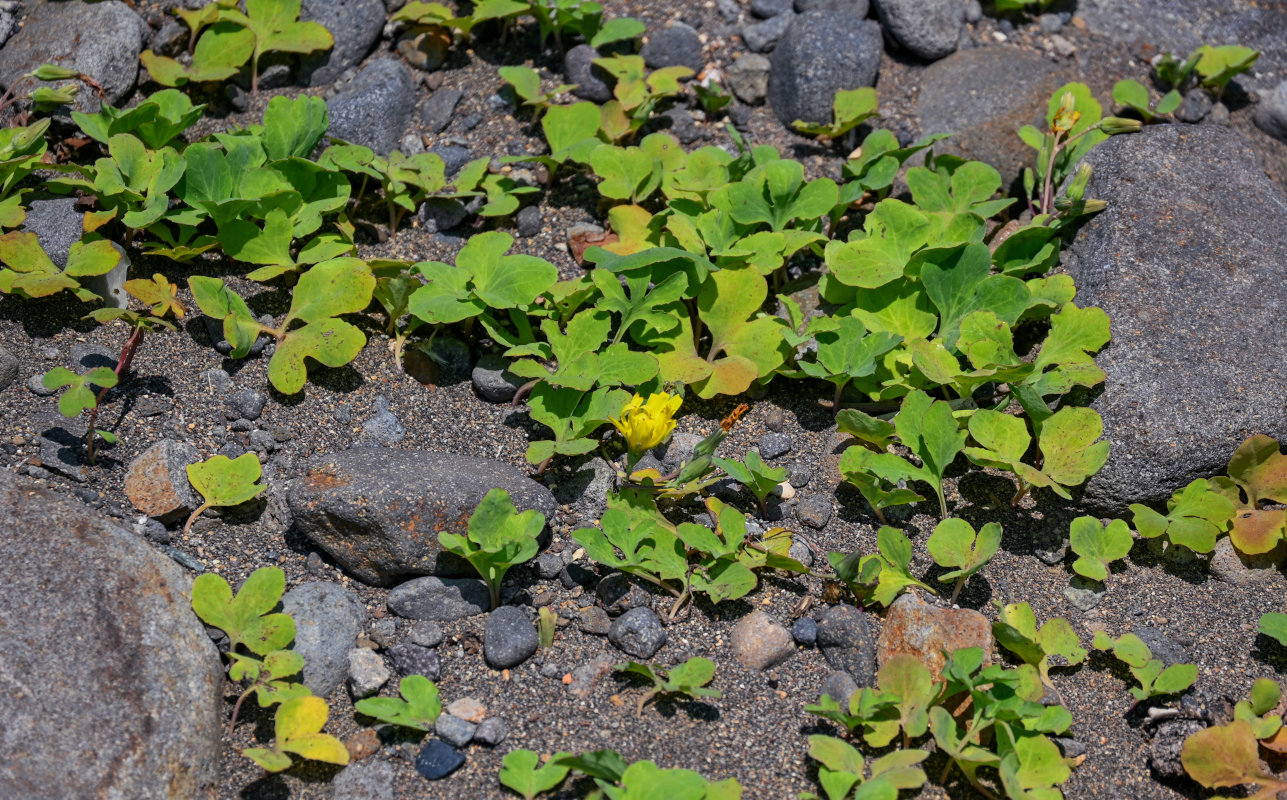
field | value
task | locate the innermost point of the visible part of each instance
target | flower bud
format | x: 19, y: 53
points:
x: 1115, y: 125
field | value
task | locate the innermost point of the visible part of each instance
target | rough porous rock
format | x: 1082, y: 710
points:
x: 1271, y: 114
x: 846, y: 641
x: 8, y: 369
x: 157, y: 480
x: 760, y: 642
x: 748, y: 78
x: 374, y: 108
x: 366, y: 780
x: 378, y: 511
x: 356, y: 26
x: 638, y: 633
x: 584, y: 485
x: 1190, y: 261
x: 328, y: 619
x: 760, y: 37
x: 509, y: 638
x: 366, y: 671
x: 916, y: 628
x: 491, y: 732
x: 58, y: 225
x: 1168, y: 742
x: 839, y: 686
x: 821, y: 53
x: 676, y: 46
x: 113, y: 689
x: 440, y: 599
x: 982, y: 97
x: 1230, y: 566
x: 414, y: 659
x: 928, y: 29
x: 102, y: 40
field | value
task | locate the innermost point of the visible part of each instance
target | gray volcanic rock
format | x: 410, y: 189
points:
x: 102, y: 40
x: 982, y: 97
x: 356, y: 26
x: 374, y: 108
x: 328, y: 619
x: 111, y: 686
x: 821, y: 53
x: 1190, y: 262
x: 929, y: 29
x: 378, y: 511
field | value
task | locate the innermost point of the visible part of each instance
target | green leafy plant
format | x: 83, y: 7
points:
x: 614, y: 777
x: 326, y: 291
x: 30, y: 273
x: 1225, y: 756
x: 572, y: 415
x: 846, y: 351
x: 1195, y: 516
x: 851, y: 108
x: 841, y: 770
x: 275, y: 27
x: 636, y: 93
x: 1097, y: 546
x: 712, y: 98
x: 1027, y: 6
x: 417, y: 708
x: 955, y: 546
x: 547, y: 622
x: 220, y: 52
x: 224, y: 482
x: 521, y: 774
x: 1210, y: 67
x: 759, y: 478
x: 297, y: 729
x: 1274, y: 625
x: 499, y: 538
x: 21, y: 152
x: 1155, y: 679
x: 526, y: 83
x: 881, y: 576
x: 80, y: 397
x: 1016, y: 630
x: 156, y: 121
x: 686, y: 680
x: 1134, y: 95
x: 1257, y: 474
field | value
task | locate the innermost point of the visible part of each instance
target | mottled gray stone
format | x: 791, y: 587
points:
x: 328, y: 619
x: 846, y: 641
x: 439, y: 599
x: 356, y: 26
x: 929, y: 29
x: 821, y: 53
x: 374, y: 108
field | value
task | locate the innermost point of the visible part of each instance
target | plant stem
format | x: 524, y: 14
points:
x: 1024, y: 486
x: 236, y: 709
x: 956, y: 591
x: 123, y: 364
x: 254, y: 71
x: 187, y: 526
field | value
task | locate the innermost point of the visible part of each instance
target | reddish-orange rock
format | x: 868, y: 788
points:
x: 914, y: 627
x: 157, y: 481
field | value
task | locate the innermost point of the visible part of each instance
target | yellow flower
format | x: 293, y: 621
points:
x: 646, y: 424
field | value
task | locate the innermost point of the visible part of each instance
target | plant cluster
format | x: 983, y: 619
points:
x: 982, y: 718
x: 498, y: 538
x: 613, y: 778
x: 1155, y: 678
x: 688, y: 679
x: 261, y: 662
x: 1226, y: 756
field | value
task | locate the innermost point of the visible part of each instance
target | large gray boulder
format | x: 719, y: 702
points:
x: 982, y: 97
x: 356, y: 26
x: 374, y: 108
x: 1190, y: 262
x: 821, y: 53
x: 928, y: 29
x: 109, y: 685
x: 378, y: 511
x: 102, y: 40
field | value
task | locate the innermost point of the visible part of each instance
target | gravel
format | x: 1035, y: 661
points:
x: 638, y: 633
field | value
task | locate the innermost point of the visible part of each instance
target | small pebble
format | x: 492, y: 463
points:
x: 491, y: 732
x: 438, y: 759
x: 774, y: 445
x: 454, y: 730
x: 805, y: 632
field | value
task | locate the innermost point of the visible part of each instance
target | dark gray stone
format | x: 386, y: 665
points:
x: 774, y: 445
x: 592, y: 83
x: 439, y: 599
x: 1084, y: 594
x: 425, y: 633
x: 638, y: 633
x: 584, y: 486
x: 676, y: 46
x: 618, y: 594
x: 108, y: 39
x: 1175, y: 405
x: 36, y: 385
x: 595, y: 620
x: 374, y: 108
x: 846, y: 641
x: 574, y: 575
x: 437, y: 760
x: 1271, y: 114
x: 1163, y: 647
x: 383, y: 428
x: 328, y: 619
x: 377, y: 511
x: 356, y: 26
x: 1168, y: 743
x: 454, y: 730
x: 170, y: 39
x: 8, y: 369
x: 528, y: 221
x: 858, y: 8
x: 814, y: 511
x: 1197, y: 104
x: 454, y: 157
x: 413, y: 659
x: 982, y: 97
x: 8, y: 26
x: 247, y: 404
x: 509, y: 638
x: 549, y: 565
x: 491, y: 731
x: 436, y: 113
x: 766, y: 9
x: 821, y: 53
x: 760, y: 37
x: 805, y: 632
x: 58, y: 225
x: 261, y: 441
x: 441, y: 214
x: 1050, y: 23
x: 839, y: 686
x: 364, y: 780
x: 929, y: 29
x: 106, y: 666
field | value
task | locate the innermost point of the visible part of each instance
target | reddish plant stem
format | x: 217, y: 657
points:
x: 122, y: 367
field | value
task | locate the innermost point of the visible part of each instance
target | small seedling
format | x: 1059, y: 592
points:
x: 1134, y: 95
x: 267, y: 679
x: 546, y: 625
x: 80, y: 397
x: 882, y: 576
x: 418, y: 708
x: 1016, y: 630
x: 1097, y: 546
x: 1155, y: 679
x: 841, y: 769
x: 521, y: 774
x: 526, y: 83
x: 1225, y: 756
x: 759, y: 478
x: 686, y: 680
x: 712, y: 98
x: 954, y: 545
x: 1195, y: 516
x: 297, y: 731
x: 1257, y: 709
x: 275, y: 26
x: 224, y: 482
x: 498, y: 539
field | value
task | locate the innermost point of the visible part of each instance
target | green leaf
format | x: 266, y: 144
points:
x: 298, y: 731
x: 245, y: 618
x: 1097, y: 546
x: 1274, y: 625
x: 1016, y: 630
x: 893, y: 231
x: 294, y: 127
x: 418, y: 707
x: 1224, y: 756
x: 1195, y: 517
x: 498, y: 539
x: 227, y: 482
x: 503, y: 281
x: 929, y: 429
x: 954, y: 544
x: 959, y: 281
x: 520, y: 772
x: 1260, y: 469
